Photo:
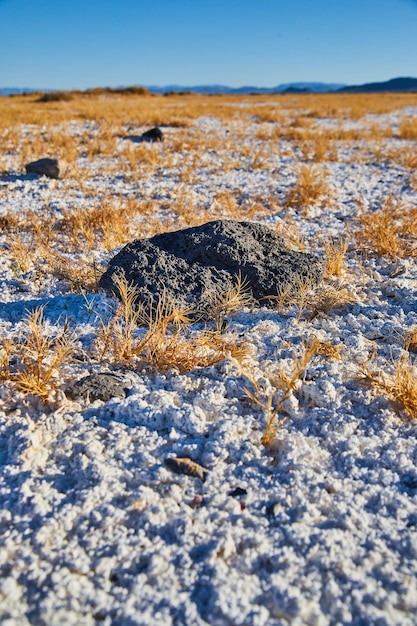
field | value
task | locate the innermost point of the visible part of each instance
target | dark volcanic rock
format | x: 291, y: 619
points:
x: 193, y: 264
x: 101, y: 386
x: 46, y: 167
x: 153, y: 135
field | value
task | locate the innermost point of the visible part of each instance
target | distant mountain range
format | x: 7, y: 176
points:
x: 223, y: 89
x: 395, y: 84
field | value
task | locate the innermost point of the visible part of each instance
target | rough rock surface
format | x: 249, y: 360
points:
x: 100, y: 386
x: 193, y: 264
x: 47, y: 167
x: 153, y: 135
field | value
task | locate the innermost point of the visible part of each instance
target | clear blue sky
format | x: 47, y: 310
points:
x: 87, y: 43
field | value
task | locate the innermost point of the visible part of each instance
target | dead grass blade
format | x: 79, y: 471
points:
x: 399, y: 383
x: 32, y: 362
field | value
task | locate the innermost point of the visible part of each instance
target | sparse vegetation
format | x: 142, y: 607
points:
x: 283, y: 385
x: 31, y: 362
x: 167, y: 343
x: 310, y: 188
x: 398, y: 382
x: 390, y: 230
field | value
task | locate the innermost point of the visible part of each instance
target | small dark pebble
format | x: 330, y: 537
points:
x: 153, y: 135
x: 273, y: 508
x: 238, y: 492
x: 100, y: 386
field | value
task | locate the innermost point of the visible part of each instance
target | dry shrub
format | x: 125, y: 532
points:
x: 290, y: 231
x: 82, y: 275
x: 298, y: 293
x: 329, y: 298
x: 229, y: 300
x: 390, y: 230
x: 335, y: 249
x: 108, y: 224
x: 311, y: 188
x: 408, y: 129
x: 324, y: 348
x: 23, y: 252
x: 405, y: 157
x: 169, y: 342
x: 56, y: 96
x: 32, y: 362
x: 399, y: 383
x: 410, y: 341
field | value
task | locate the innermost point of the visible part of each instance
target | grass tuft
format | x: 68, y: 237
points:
x: 32, y: 362
x: 389, y: 231
x: 399, y: 383
x: 169, y: 342
x: 273, y: 402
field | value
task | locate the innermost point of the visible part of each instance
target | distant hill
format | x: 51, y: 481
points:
x: 14, y: 91
x: 395, y: 84
x: 248, y: 89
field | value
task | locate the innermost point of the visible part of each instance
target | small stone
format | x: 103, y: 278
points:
x: 138, y: 505
x: 273, y: 509
x: 101, y: 386
x: 197, y: 501
x: 185, y: 465
x: 153, y: 135
x: 238, y: 492
x: 47, y: 167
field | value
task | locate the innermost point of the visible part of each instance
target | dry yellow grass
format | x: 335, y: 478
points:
x: 168, y: 343
x: 390, y: 230
x: 335, y: 250
x: 408, y: 129
x: 311, y: 188
x: 398, y: 382
x: 273, y: 402
x: 31, y: 363
x: 410, y: 341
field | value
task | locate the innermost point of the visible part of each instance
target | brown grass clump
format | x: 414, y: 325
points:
x: 231, y: 299
x: 107, y: 224
x: 410, y: 341
x: 55, y: 96
x: 311, y: 188
x: 408, y: 129
x: 32, y: 362
x: 82, y: 276
x: 399, y: 383
x: 389, y: 231
x: 168, y: 343
x: 335, y: 250
x: 290, y: 231
x: 329, y: 298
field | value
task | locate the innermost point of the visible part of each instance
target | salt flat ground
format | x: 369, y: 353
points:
x: 315, y: 523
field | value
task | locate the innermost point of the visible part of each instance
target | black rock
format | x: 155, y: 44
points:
x: 153, y: 135
x: 47, y: 167
x: 102, y: 386
x: 193, y: 264
x: 239, y: 491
